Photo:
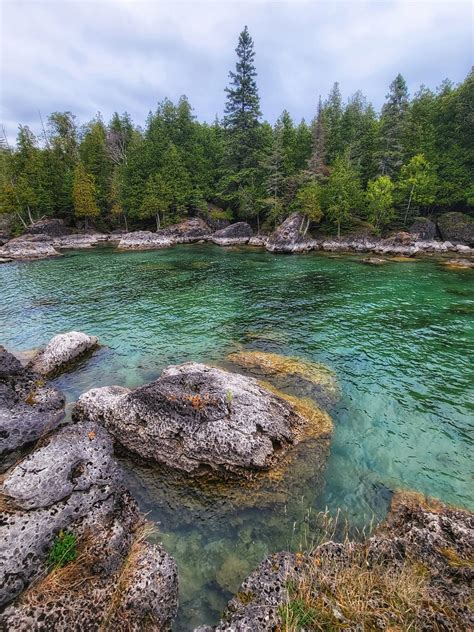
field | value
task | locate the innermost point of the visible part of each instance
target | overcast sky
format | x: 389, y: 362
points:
x: 122, y: 55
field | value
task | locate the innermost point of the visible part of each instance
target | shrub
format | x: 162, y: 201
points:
x: 64, y: 550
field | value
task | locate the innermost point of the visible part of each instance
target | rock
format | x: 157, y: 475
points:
x: 233, y: 235
x: 216, y: 217
x: 188, y: 231
x: 401, y: 237
x: 307, y: 378
x: 459, y: 264
x: 258, y: 240
x: 81, y: 240
x: 202, y: 420
x: 29, y: 408
x: 61, y: 351
x: 144, y: 240
x: 457, y: 228
x: 374, y: 261
x: 289, y: 236
x: 118, y: 580
x: 423, y: 544
x: 53, y: 227
x: 423, y: 229
x: 29, y: 247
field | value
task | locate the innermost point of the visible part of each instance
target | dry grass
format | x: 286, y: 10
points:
x: 358, y: 594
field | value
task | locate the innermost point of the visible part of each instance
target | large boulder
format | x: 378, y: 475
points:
x: 202, y: 420
x: 53, y: 226
x: 188, y: 231
x: 232, y: 235
x: 29, y: 247
x: 144, y: 240
x: 61, y: 351
x: 414, y: 572
x: 72, y: 486
x: 457, y: 228
x: 289, y: 236
x: 29, y: 408
x: 424, y: 229
x: 306, y: 378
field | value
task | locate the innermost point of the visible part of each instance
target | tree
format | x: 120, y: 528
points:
x: 317, y: 162
x: 342, y: 193
x: 83, y: 194
x: 116, y: 196
x: 379, y: 200
x: 242, y: 109
x: 392, y: 128
x: 95, y: 158
x: 308, y: 202
x: 333, y: 118
x: 158, y: 199
x: 417, y: 184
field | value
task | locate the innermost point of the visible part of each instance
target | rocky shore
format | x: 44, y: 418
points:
x: 75, y: 550
x: 453, y: 233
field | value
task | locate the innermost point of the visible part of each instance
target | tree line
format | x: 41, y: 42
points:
x: 349, y: 165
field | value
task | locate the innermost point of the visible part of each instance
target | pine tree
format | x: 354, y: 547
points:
x: 242, y: 109
x: 317, y: 162
x: 332, y: 114
x: 392, y: 128
x: 96, y: 161
x: 83, y: 193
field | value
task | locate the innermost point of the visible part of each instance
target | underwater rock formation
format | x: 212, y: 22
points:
x: 61, y: 351
x: 416, y: 569
x: 307, y: 378
x: 233, y: 235
x: 115, y: 578
x: 203, y: 420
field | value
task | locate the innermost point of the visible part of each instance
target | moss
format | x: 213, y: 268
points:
x: 64, y: 550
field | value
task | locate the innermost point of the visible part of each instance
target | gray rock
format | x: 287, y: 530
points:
x: 26, y: 249
x: 29, y: 408
x: 53, y: 226
x: 81, y: 240
x: 374, y: 261
x: 61, y: 351
x: 232, y: 235
x: 118, y: 581
x: 199, y: 419
x: 457, y: 228
x: 289, y: 237
x: 423, y: 229
x: 258, y: 240
x: 188, y: 231
x: 144, y: 240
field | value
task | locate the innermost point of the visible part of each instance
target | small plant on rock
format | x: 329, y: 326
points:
x: 64, y: 550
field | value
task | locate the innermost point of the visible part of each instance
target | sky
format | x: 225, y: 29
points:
x: 127, y: 55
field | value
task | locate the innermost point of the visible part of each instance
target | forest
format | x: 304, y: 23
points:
x: 350, y: 164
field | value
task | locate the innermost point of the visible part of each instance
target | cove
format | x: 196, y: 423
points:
x: 399, y: 338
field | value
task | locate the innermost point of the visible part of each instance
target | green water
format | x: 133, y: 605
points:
x: 399, y: 337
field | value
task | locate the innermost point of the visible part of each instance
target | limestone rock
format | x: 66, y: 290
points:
x: 202, y: 420
x: 459, y: 264
x: 188, y: 231
x: 423, y: 229
x: 457, y: 228
x: 374, y: 261
x: 289, y: 237
x: 80, y: 240
x: 61, y: 351
x: 29, y: 247
x: 53, y: 226
x: 232, y: 235
x: 258, y: 240
x: 144, y: 240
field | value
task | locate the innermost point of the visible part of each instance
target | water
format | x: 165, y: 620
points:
x: 399, y: 337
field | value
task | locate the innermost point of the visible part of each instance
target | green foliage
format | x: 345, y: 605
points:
x: 308, y: 202
x: 64, y: 550
x: 417, y: 184
x: 379, y: 201
x: 297, y: 615
x: 83, y: 193
x: 342, y: 193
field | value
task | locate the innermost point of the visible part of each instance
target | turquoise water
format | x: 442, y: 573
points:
x: 399, y: 337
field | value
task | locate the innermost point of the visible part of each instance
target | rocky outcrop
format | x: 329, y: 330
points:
x: 423, y: 229
x: 29, y: 408
x: 83, y: 240
x: 204, y: 421
x: 258, y: 240
x: 308, y: 379
x: 415, y: 571
x: 188, y: 231
x: 61, y: 351
x: 457, y: 228
x: 233, y: 235
x: 144, y: 240
x: 290, y: 236
x: 28, y: 247
x: 53, y: 227
x: 115, y: 579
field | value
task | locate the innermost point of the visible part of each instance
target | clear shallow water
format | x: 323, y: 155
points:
x: 400, y: 338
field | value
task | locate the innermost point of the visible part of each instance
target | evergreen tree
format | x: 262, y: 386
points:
x: 95, y: 158
x: 417, y: 184
x: 157, y: 199
x: 83, y: 193
x: 333, y: 121
x: 392, y: 128
x: 317, y: 162
x: 342, y: 193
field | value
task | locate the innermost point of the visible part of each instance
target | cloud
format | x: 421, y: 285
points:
x: 127, y: 55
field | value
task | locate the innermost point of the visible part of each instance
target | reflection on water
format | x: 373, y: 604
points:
x: 399, y: 338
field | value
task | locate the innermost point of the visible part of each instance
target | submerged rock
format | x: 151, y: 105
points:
x: 203, y: 420
x: 416, y: 569
x: 289, y: 236
x: 456, y: 227
x: 71, y: 485
x: 235, y: 234
x: 374, y: 261
x: 302, y: 376
x: 459, y: 264
x: 61, y: 351
x: 29, y: 408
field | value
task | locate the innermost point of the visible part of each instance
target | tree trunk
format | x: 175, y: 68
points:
x: 125, y: 221
x: 306, y: 227
x: 29, y: 214
x: 338, y: 229
x: 21, y: 219
x: 258, y: 223
x: 408, y: 205
x: 157, y: 221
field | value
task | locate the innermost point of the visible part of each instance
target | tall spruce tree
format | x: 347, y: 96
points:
x: 392, y: 128
x: 317, y: 162
x: 242, y: 109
